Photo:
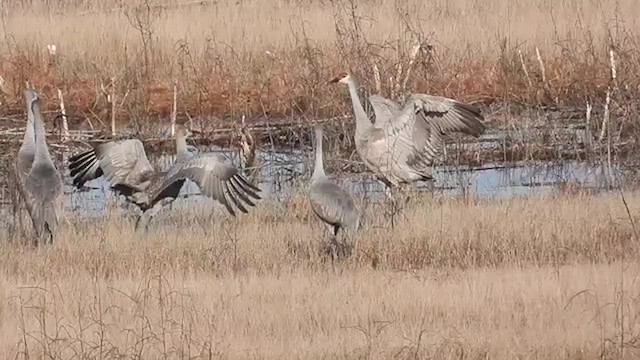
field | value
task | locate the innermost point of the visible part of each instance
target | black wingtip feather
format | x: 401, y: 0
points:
x: 247, y: 187
x: 472, y: 116
x: 225, y: 202
x: 75, y: 157
x: 80, y: 175
x: 248, y: 184
x: 239, y: 193
x: 235, y: 201
x: 79, y: 179
x: 78, y: 166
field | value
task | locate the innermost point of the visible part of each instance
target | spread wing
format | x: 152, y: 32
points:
x: 385, y: 110
x: 121, y: 162
x: 418, y: 132
x: 447, y: 115
x: 216, y: 178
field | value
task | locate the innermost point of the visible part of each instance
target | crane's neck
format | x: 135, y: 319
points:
x: 181, y: 146
x: 42, y: 152
x: 318, y: 169
x: 29, y: 133
x: 362, y: 120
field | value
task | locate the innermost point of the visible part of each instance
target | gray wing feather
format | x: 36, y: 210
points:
x: 448, y: 115
x: 124, y: 162
x: 385, y: 110
x: 42, y: 194
x: 418, y: 132
x: 216, y: 178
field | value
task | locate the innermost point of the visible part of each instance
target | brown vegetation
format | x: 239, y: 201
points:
x: 274, y: 57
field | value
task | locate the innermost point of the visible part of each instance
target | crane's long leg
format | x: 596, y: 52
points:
x: 137, y: 225
x: 151, y: 213
x: 48, y: 234
x: 393, y: 205
x: 396, y: 206
x: 388, y: 192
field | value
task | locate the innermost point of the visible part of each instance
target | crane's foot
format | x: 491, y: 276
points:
x: 335, y: 249
x: 141, y: 225
x: 48, y: 234
x: 392, y: 207
x: 395, y: 207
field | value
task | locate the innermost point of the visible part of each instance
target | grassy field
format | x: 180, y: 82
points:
x: 540, y: 277
x: 274, y: 57
x: 535, y: 277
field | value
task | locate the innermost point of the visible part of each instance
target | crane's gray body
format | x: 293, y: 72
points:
x: 404, y: 140
x: 331, y: 203
x: 39, y: 181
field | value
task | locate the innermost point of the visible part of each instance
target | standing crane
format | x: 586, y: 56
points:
x: 331, y: 203
x: 126, y: 167
x: 400, y: 146
x: 39, y: 181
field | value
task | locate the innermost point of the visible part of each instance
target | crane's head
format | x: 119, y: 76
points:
x: 32, y: 97
x: 342, y: 78
x: 318, y: 128
x: 183, y: 131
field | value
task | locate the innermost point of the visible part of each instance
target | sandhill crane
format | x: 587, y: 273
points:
x: 125, y: 165
x: 39, y: 181
x: 400, y: 146
x: 330, y: 202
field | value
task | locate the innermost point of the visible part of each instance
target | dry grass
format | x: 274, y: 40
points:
x: 535, y: 277
x: 275, y: 57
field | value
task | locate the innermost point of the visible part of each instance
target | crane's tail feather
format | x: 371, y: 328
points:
x: 45, y: 221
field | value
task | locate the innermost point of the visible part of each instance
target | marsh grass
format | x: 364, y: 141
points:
x: 431, y: 232
x: 274, y: 57
x: 456, y: 277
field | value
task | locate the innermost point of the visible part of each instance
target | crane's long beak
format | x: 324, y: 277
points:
x: 335, y: 80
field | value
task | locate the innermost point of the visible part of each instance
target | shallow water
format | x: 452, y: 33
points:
x: 284, y: 171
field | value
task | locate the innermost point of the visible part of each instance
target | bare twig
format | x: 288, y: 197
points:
x: 65, y: 125
x: 605, y: 118
x: 174, y: 110
x: 543, y: 72
x: 612, y: 62
x: 112, y: 100
x: 412, y: 59
x: 588, y: 123
x: 524, y: 68
x: 248, y: 150
x: 396, y: 88
x: 376, y: 77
